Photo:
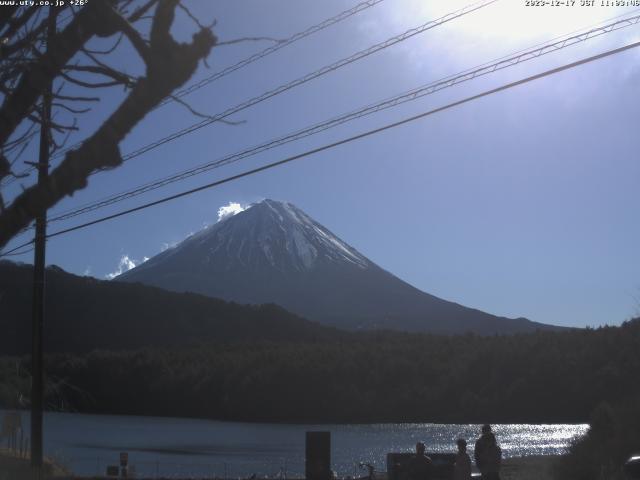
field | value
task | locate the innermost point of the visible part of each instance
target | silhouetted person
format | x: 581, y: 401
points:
x: 488, y: 455
x: 462, y: 467
x: 420, y: 467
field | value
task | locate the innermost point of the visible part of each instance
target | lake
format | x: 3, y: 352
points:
x: 183, y: 447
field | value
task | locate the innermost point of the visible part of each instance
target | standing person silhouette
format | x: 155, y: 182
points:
x: 420, y: 466
x: 488, y: 455
x: 462, y: 467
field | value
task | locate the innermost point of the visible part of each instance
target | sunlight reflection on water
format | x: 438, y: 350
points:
x: 183, y: 447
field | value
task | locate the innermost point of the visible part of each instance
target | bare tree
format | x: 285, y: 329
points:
x: 27, y: 65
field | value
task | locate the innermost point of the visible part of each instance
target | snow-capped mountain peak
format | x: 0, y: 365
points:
x: 273, y: 252
x: 268, y: 233
x: 306, y: 241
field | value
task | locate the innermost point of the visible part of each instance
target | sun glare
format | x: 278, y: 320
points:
x: 515, y: 21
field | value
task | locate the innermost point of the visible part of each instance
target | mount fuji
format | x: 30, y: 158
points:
x: 273, y: 252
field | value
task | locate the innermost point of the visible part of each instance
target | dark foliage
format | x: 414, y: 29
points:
x: 614, y: 435
x: 84, y: 314
x: 28, y: 71
x: 383, y: 377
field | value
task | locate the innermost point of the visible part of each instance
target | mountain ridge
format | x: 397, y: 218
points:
x: 273, y: 252
x: 85, y: 314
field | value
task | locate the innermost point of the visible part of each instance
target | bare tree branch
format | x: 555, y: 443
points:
x: 65, y: 45
x: 136, y: 39
x: 195, y: 19
x: 109, y: 50
x: 6, y: 14
x: 140, y: 12
x: 25, y: 41
x: 14, y: 24
x: 118, y: 77
x: 5, y: 167
x: 82, y: 83
x: 76, y: 98
x: 76, y: 111
x: 169, y: 66
x: 204, y: 115
x: 23, y: 147
x: 23, y: 138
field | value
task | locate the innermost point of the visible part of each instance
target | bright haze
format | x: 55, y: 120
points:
x: 521, y: 204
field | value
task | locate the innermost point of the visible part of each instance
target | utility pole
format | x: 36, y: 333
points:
x: 37, y: 320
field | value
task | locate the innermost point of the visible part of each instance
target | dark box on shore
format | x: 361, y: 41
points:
x: 318, y: 456
x: 398, y: 463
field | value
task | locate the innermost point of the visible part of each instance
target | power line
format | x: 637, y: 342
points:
x: 306, y: 78
x: 428, y: 89
x: 15, y: 253
x: 259, y: 55
x: 5, y: 181
x: 322, y: 71
x: 244, y: 62
x: 274, y: 48
x: 311, y: 76
x: 350, y: 139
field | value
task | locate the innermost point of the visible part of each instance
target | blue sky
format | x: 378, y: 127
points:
x: 519, y: 204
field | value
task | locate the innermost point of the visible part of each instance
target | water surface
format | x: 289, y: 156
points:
x: 185, y: 447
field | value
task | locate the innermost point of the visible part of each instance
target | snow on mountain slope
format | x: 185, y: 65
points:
x: 273, y: 252
x: 270, y: 232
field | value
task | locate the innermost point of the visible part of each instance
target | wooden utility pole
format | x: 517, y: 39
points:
x: 37, y: 320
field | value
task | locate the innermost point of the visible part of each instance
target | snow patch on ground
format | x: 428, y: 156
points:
x: 306, y: 252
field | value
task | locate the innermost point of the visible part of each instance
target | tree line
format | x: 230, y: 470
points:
x: 85, y: 314
x: 545, y: 377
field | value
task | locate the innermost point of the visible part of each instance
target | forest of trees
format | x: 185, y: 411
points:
x: 134, y: 349
x: 613, y: 436
x: 193, y: 356
x: 85, y: 314
x: 361, y: 377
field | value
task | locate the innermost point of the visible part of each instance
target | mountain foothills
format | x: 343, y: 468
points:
x: 124, y: 347
x: 275, y: 253
x: 542, y: 377
x: 129, y: 347
x: 84, y: 314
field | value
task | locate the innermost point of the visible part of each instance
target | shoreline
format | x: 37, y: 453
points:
x: 534, y: 467
x: 18, y: 467
x: 4, y: 409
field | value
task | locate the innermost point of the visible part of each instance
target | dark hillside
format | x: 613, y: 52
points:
x: 544, y: 377
x: 84, y: 314
x: 273, y: 252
